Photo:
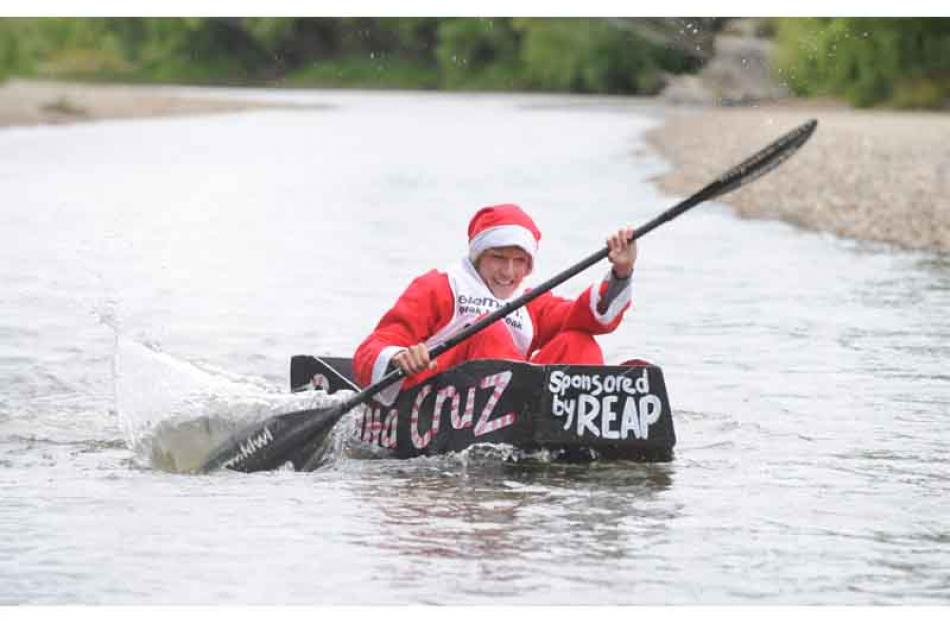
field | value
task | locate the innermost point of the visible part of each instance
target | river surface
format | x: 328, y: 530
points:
x: 143, y: 262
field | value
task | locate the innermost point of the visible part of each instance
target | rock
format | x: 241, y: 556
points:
x: 739, y: 73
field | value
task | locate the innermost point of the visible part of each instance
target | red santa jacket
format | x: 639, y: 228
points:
x: 441, y: 302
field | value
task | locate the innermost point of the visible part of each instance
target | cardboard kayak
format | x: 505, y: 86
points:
x: 574, y: 412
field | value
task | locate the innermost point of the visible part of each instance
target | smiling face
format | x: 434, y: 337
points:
x: 503, y: 269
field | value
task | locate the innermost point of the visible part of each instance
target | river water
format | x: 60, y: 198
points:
x: 144, y: 262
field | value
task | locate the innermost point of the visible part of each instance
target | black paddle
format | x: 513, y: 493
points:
x: 270, y: 444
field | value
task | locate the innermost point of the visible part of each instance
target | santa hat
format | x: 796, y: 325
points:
x: 502, y: 225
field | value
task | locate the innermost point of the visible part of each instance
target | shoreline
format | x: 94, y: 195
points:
x: 30, y: 103
x: 870, y: 175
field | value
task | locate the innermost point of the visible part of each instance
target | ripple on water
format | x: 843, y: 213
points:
x: 806, y: 374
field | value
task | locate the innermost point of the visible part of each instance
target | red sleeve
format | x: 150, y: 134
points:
x: 425, y: 306
x: 552, y: 314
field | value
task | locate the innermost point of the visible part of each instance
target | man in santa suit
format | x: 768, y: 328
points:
x: 503, y: 241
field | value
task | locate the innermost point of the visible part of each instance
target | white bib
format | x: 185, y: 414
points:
x: 472, y: 299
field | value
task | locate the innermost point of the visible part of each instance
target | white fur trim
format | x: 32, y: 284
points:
x: 499, y: 236
x: 617, y: 305
x: 389, y: 394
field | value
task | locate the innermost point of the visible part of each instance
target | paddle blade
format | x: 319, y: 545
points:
x: 752, y: 168
x: 270, y: 444
x: 765, y: 160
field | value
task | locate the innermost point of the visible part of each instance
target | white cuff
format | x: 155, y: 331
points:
x: 389, y: 394
x: 616, y: 305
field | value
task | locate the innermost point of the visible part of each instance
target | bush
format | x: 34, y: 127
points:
x: 84, y: 62
x: 478, y: 53
x: 868, y: 61
x: 921, y: 93
x: 589, y: 56
x: 581, y: 55
x: 22, y: 42
x: 364, y: 72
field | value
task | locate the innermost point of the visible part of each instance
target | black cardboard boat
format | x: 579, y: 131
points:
x: 577, y: 413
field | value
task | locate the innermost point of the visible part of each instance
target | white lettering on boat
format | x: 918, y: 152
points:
x: 422, y: 441
x: 498, y: 381
x: 613, y: 407
x: 375, y: 425
x: 450, y: 394
x: 388, y: 439
x: 467, y: 416
x: 448, y: 402
x: 374, y: 429
x: 559, y: 382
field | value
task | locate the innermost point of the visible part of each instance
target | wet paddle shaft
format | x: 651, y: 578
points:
x: 271, y: 443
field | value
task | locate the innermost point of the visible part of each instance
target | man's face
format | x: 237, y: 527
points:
x: 503, y: 269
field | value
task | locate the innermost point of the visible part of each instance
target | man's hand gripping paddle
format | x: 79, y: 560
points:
x: 271, y: 443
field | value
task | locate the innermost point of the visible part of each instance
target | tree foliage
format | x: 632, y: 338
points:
x: 592, y: 56
x: 478, y: 52
x: 869, y: 61
x: 585, y: 55
x: 897, y: 61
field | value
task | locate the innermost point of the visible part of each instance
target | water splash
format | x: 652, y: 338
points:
x: 174, y: 412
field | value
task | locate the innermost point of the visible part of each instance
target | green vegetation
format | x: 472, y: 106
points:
x: 369, y: 72
x: 593, y: 56
x: 900, y: 62
x: 479, y: 54
x: 579, y: 55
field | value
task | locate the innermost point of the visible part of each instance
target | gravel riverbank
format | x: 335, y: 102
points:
x: 870, y: 175
x: 26, y: 102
